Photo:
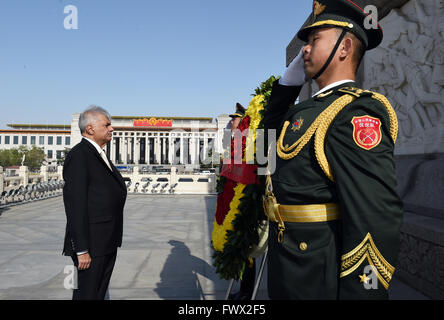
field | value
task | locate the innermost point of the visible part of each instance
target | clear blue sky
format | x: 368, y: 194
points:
x: 139, y: 57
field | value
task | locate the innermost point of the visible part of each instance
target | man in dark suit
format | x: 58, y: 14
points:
x: 94, y: 196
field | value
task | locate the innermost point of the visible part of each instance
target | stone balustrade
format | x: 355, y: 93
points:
x: 26, y: 186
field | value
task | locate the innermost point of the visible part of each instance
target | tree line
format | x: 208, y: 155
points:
x: 33, y: 157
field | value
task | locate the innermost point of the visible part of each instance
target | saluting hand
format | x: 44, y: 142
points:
x: 295, y: 73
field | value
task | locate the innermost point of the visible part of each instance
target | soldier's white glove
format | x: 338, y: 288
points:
x: 295, y: 73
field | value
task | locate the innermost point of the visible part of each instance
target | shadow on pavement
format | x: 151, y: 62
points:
x: 3, y: 209
x: 179, y: 276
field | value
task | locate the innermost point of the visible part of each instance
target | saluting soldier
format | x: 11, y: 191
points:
x: 332, y: 201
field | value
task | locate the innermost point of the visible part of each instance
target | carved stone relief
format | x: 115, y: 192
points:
x: 408, y: 67
x: 422, y: 261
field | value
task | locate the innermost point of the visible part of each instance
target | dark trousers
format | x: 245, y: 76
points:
x: 93, y: 282
x: 247, y: 282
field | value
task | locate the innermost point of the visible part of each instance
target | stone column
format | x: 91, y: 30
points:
x: 157, y: 149
x: 119, y: 156
x: 197, y: 149
x: 112, y: 151
x: 137, y: 151
x: 170, y: 149
x: 60, y: 172
x: 2, y: 180
x: 147, y: 150
x: 116, y: 151
x: 192, y: 149
x: 187, y: 150
x: 164, y: 150
x: 173, y: 176
x: 135, y: 175
x: 124, y: 150
x: 205, y: 148
x: 131, y: 149
x: 44, y: 173
x: 181, y: 150
x: 23, y: 174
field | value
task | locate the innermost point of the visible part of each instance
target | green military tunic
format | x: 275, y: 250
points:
x: 331, y: 259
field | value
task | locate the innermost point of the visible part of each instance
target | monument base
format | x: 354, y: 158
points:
x: 421, y: 257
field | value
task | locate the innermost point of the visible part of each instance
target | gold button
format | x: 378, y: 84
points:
x: 303, y: 246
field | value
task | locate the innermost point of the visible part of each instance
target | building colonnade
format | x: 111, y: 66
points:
x: 160, y: 147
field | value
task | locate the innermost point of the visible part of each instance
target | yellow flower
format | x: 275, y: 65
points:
x: 219, y: 236
x: 256, y: 105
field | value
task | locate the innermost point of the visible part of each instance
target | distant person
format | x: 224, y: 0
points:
x: 94, y: 196
x: 236, y: 117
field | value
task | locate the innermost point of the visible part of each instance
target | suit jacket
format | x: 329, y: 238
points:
x: 94, y: 197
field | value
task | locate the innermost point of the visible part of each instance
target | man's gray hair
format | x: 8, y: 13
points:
x: 89, y: 116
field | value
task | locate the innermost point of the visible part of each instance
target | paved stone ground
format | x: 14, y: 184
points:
x: 165, y: 252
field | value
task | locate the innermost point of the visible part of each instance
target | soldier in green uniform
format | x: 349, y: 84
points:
x: 332, y: 201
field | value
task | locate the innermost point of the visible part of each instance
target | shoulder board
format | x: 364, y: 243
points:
x: 356, y: 91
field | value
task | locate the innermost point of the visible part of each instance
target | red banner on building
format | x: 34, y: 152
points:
x: 152, y: 122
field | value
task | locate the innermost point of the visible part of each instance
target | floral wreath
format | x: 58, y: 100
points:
x: 239, y: 210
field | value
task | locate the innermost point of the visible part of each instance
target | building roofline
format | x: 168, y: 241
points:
x: 36, y: 131
x: 169, y: 118
x: 167, y: 129
x: 48, y: 126
x: 67, y: 126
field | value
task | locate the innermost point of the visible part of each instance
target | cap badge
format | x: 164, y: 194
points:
x: 318, y: 8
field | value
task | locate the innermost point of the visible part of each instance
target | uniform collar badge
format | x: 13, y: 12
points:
x: 296, y: 126
x: 322, y: 95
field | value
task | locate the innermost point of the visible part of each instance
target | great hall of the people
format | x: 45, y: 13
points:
x: 137, y: 140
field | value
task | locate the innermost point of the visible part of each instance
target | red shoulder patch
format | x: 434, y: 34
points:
x: 366, y: 131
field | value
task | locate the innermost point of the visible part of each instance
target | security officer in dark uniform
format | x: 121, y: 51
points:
x: 239, y: 113
x: 332, y: 202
